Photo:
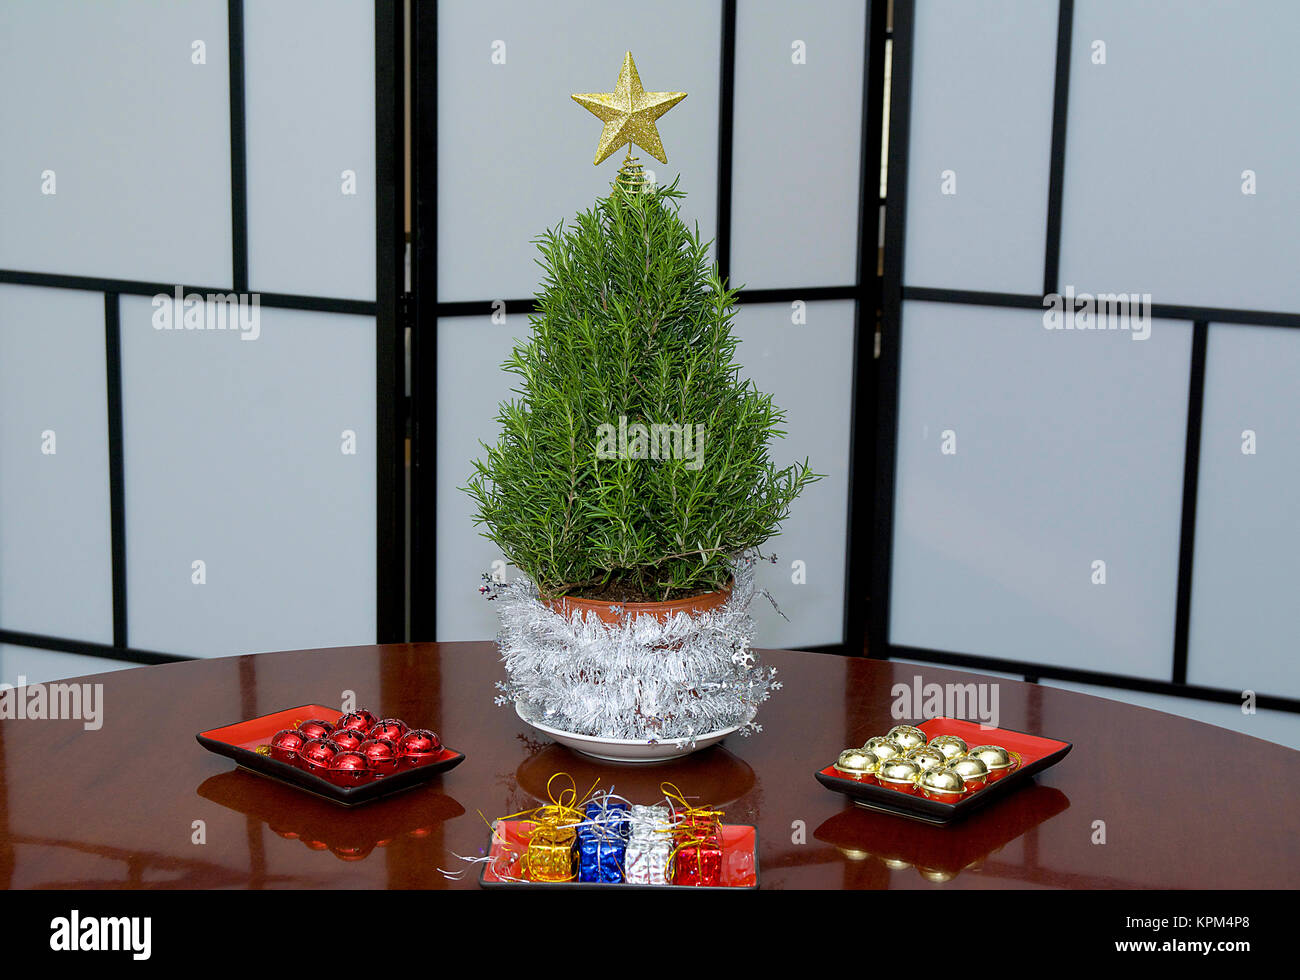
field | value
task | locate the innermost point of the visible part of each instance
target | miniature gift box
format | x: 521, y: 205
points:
x: 698, y: 861
x: 551, y: 853
x: 645, y: 861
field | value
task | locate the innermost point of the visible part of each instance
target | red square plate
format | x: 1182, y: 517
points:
x: 510, y: 842
x: 241, y: 740
x: 1036, y: 754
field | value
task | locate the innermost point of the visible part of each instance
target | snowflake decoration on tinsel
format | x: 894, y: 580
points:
x: 642, y: 679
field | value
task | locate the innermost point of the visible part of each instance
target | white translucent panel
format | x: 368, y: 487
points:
x: 1160, y: 139
x: 966, y: 670
x: 981, y: 127
x: 27, y: 665
x: 797, y: 143
x: 1282, y: 727
x: 1244, y: 617
x: 808, y: 370
x: 471, y: 385
x: 309, y: 109
x: 55, y: 550
x: 515, y: 152
x: 105, y: 106
x: 235, y: 457
x: 1069, y: 451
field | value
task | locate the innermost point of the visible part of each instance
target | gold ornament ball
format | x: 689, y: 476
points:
x: 993, y: 756
x: 884, y: 749
x: 973, y: 770
x: 941, y: 781
x: 925, y: 756
x: 857, y: 762
x: 951, y: 746
x: 907, y: 736
x: 898, y: 772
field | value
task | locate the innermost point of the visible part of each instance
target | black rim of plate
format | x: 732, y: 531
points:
x: 880, y: 799
x: 284, y: 772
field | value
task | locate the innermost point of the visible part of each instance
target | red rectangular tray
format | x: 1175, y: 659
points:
x: 510, y: 842
x: 241, y: 740
x: 1036, y: 754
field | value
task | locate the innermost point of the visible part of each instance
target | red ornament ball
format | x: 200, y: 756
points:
x: 347, y: 739
x: 286, y: 743
x: 316, y: 755
x: 391, y: 729
x: 381, y: 754
x: 349, y: 769
x: 315, y: 728
x: 358, y: 721
x: 418, y: 745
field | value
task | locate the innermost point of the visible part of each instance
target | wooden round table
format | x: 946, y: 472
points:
x: 139, y: 804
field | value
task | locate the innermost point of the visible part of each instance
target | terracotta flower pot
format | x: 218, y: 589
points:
x: 609, y: 612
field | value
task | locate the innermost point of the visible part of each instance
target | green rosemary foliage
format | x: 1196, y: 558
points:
x: 633, y: 329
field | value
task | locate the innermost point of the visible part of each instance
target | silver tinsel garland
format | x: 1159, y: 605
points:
x: 643, y: 679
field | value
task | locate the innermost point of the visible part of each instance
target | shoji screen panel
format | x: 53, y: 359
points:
x: 808, y: 368
x: 798, y: 130
x: 235, y: 459
x: 1161, y: 436
x: 773, y: 144
x: 199, y: 279
x: 117, y: 140
x: 1192, y: 94
x: 1025, y: 456
x: 981, y: 102
x: 309, y: 77
x: 56, y: 574
x: 470, y: 386
x: 1244, y: 612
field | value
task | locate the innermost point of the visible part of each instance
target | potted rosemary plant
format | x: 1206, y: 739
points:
x: 632, y: 475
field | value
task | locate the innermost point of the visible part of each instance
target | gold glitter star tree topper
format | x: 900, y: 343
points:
x: 629, y: 113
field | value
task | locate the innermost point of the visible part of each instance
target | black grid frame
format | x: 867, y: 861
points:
x: 865, y: 292
x: 894, y: 294
x: 388, y: 366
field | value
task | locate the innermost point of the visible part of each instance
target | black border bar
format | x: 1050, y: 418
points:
x: 136, y: 287
x: 1056, y: 181
x: 116, y: 465
x: 238, y: 149
x: 860, y: 492
x: 390, y: 350
x: 1191, y: 474
x: 726, y: 137
x: 425, y: 311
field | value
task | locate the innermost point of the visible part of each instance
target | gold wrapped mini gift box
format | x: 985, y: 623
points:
x: 552, y: 854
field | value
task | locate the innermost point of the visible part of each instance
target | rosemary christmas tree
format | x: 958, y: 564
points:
x: 634, y: 463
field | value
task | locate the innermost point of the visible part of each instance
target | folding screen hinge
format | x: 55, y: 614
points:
x: 404, y: 311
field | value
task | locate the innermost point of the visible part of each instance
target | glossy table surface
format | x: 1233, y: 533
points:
x: 139, y: 804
